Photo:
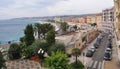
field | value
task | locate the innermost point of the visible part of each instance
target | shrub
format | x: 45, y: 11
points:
x: 79, y: 65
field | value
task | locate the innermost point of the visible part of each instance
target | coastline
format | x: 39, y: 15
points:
x: 5, y: 46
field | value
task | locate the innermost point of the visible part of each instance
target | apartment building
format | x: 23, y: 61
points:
x: 117, y: 17
x: 82, y: 20
x: 107, y: 23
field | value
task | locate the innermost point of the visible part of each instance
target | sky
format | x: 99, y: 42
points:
x: 34, y: 8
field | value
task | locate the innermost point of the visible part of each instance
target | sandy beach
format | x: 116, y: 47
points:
x: 5, y: 46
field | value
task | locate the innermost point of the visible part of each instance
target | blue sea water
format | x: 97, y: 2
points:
x: 12, y: 30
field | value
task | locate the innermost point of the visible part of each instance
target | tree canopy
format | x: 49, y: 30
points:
x: 2, y: 64
x: 64, y: 26
x: 57, y: 60
x: 76, y: 52
x: 14, y: 51
x: 29, y: 35
x: 50, y: 37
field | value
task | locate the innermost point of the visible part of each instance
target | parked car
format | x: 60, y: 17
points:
x: 107, y: 56
x: 108, y: 50
x: 89, y: 53
x: 92, y: 49
x: 96, y: 45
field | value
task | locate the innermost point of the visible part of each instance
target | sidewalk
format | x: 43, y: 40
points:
x: 85, y: 60
x: 114, y: 63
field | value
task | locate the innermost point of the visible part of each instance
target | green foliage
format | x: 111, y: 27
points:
x: 29, y: 35
x: 40, y: 44
x: 42, y: 28
x: 93, y: 24
x: 22, y: 39
x: 76, y: 52
x: 14, y: 51
x: 2, y: 64
x: 57, y: 60
x: 50, y: 37
x: 75, y: 27
x: 57, y: 47
x: 28, y: 51
x: 64, y: 26
x: 79, y: 65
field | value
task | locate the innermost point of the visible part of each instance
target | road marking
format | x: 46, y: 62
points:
x: 90, y: 64
x: 99, y: 65
x: 94, y: 66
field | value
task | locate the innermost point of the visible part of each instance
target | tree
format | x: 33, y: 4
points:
x: 22, y: 39
x: 64, y: 26
x: 75, y: 27
x: 2, y: 64
x: 76, y: 52
x: 93, y: 24
x: 57, y: 47
x: 46, y: 28
x: 29, y: 35
x: 28, y: 51
x: 50, y: 37
x: 40, y: 44
x: 14, y: 51
x: 57, y: 60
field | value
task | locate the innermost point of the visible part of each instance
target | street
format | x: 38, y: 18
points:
x: 97, y: 59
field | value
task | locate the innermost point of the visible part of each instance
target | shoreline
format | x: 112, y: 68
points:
x: 5, y: 46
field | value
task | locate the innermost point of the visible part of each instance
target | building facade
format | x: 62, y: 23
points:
x: 117, y: 18
x: 107, y: 23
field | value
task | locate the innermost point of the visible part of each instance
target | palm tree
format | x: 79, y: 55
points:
x: 76, y: 52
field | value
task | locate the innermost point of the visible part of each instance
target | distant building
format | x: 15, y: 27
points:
x: 82, y: 19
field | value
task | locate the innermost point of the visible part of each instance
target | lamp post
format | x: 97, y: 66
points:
x: 40, y: 51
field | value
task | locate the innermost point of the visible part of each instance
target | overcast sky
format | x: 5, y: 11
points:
x: 31, y: 8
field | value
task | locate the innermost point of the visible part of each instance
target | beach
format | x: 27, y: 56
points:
x: 5, y: 46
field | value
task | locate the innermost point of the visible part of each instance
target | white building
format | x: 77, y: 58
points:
x: 107, y: 23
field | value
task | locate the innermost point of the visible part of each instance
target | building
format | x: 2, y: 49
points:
x: 82, y: 20
x: 107, y: 23
x: 117, y: 18
x: 94, y: 18
x: 98, y: 19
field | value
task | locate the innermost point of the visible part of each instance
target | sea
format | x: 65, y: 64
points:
x: 12, y: 30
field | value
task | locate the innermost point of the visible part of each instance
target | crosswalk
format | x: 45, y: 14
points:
x: 95, y: 65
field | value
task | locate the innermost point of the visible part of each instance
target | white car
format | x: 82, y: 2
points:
x: 108, y: 50
x: 92, y: 49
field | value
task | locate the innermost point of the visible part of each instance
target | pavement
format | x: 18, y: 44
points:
x: 114, y: 63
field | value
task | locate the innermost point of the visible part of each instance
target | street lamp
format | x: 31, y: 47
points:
x: 40, y: 51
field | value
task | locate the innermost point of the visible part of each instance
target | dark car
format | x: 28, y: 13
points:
x: 107, y: 56
x: 89, y: 53
x: 96, y: 45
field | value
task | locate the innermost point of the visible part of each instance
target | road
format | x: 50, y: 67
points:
x: 97, y: 59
